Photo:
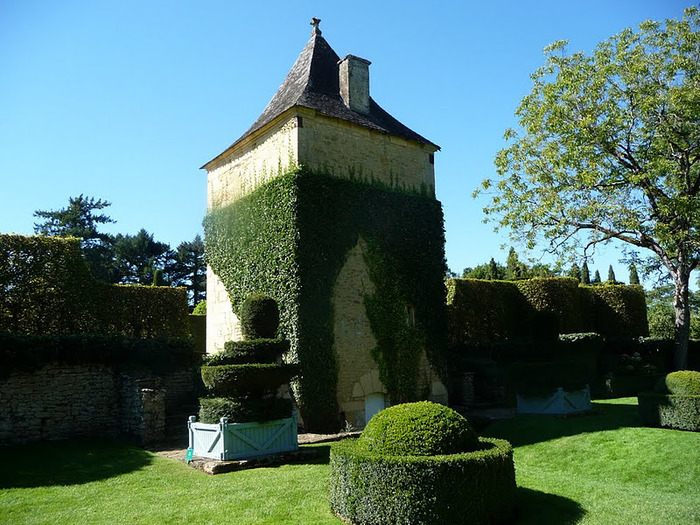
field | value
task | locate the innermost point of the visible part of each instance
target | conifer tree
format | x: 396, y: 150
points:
x: 611, y: 275
x: 634, y: 277
x: 585, y: 274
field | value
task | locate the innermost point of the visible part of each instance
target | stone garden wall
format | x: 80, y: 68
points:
x: 60, y: 401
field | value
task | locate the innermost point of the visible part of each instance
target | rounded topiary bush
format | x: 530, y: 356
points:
x: 680, y: 383
x: 259, y: 317
x: 455, y: 478
x: 212, y: 409
x: 418, y: 429
x: 252, y: 351
x: 674, y: 404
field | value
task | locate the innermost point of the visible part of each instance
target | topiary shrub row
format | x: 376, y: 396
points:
x: 27, y: 353
x: 421, y: 463
x: 242, y: 388
x: 675, y: 403
x: 46, y: 288
x: 539, y: 309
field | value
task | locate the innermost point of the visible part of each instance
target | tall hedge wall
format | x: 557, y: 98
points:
x: 46, y: 288
x: 483, y: 311
x: 290, y: 238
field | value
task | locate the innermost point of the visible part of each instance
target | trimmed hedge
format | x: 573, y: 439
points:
x: 536, y: 309
x: 259, y: 316
x: 46, y: 288
x: 681, y: 383
x: 671, y: 411
x: 212, y: 409
x: 471, y: 487
x: 418, y: 429
x: 246, y: 380
x: 675, y: 403
x: 27, y: 353
x: 253, y: 351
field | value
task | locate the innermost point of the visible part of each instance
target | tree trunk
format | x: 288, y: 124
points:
x: 682, y: 308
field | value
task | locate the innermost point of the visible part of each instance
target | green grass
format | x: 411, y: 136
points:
x: 603, y: 468
x: 598, y: 468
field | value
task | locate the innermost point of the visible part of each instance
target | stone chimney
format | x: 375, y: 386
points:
x: 354, y: 82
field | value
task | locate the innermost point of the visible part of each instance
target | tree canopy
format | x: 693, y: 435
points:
x: 608, y: 149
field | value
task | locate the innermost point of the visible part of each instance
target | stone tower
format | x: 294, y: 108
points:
x: 323, y: 132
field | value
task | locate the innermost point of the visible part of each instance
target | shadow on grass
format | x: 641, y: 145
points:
x: 533, y: 506
x: 529, y: 429
x: 68, y: 462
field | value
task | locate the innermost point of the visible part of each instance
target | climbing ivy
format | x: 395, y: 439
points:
x: 290, y: 238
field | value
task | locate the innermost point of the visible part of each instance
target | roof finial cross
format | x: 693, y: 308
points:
x: 314, y: 22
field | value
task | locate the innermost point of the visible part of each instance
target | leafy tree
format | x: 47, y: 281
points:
x: 79, y: 219
x: 611, y: 275
x: 610, y: 149
x: 514, y: 268
x: 188, y: 268
x: 634, y: 276
x: 585, y: 274
x: 137, y: 257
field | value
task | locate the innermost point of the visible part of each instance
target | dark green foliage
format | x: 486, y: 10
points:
x: 253, y: 351
x: 246, y: 380
x: 611, y: 275
x: 586, y: 274
x: 559, y: 298
x: 681, y: 383
x: 675, y: 403
x: 471, y: 487
x: 290, y: 238
x: 546, y: 377
x: 596, y: 278
x: 634, y: 276
x: 46, y: 288
x: 482, y: 311
x: 198, y: 330
x: 26, y: 353
x: 259, y: 316
x: 681, y: 412
x: 617, y: 310
x: 211, y: 410
x: 418, y: 429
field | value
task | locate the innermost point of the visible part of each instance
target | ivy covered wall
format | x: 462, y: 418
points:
x: 289, y: 239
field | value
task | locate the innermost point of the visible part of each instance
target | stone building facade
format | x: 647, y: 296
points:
x: 323, y: 118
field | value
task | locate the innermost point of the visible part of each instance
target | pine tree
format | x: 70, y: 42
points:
x: 585, y: 274
x: 575, y: 272
x: 611, y: 275
x: 634, y: 277
x: 596, y: 277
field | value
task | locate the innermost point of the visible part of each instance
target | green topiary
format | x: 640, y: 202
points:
x: 418, y: 429
x: 251, y: 351
x: 211, y: 410
x: 259, y: 316
x: 246, y: 380
x: 470, y: 487
x: 681, y: 383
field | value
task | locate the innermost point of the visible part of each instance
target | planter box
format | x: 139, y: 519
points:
x: 229, y: 441
x: 560, y: 402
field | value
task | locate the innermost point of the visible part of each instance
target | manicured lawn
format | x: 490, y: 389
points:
x: 599, y: 468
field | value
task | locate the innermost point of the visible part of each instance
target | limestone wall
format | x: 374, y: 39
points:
x: 61, y: 401
x: 255, y: 161
x: 347, y: 150
x: 222, y: 324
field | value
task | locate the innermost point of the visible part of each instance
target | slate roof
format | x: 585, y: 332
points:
x: 313, y: 83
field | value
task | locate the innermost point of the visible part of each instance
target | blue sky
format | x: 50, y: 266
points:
x: 124, y: 101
